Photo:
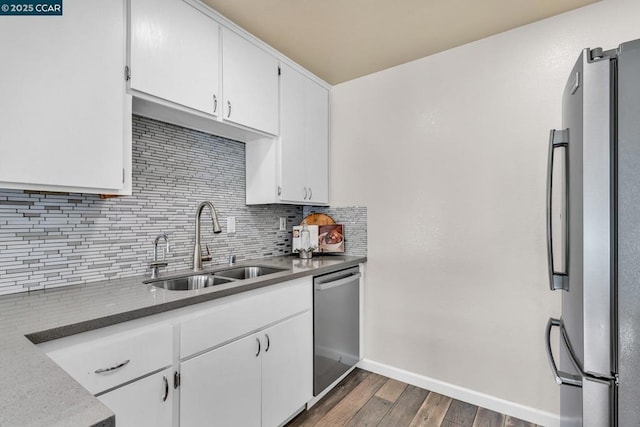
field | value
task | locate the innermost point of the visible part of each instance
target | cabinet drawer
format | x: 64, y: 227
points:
x: 104, y: 358
x: 227, y: 320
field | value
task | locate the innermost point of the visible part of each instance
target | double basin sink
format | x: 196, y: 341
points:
x: 205, y: 280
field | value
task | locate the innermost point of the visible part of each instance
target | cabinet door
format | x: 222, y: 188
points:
x: 287, y: 368
x: 146, y: 402
x: 293, y: 135
x: 304, y: 139
x: 175, y: 54
x: 63, y: 98
x: 317, y: 143
x: 222, y: 387
x: 249, y: 84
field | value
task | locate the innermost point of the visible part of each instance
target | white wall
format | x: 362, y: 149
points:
x: 449, y: 154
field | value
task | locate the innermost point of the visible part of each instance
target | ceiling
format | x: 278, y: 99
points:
x: 339, y: 40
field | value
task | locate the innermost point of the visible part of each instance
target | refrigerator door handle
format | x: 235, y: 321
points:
x: 562, y: 378
x: 557, y: 279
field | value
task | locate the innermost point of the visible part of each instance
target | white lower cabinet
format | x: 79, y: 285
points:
x: 145, y: 402
x: 222, y: 386
x: 287, y: 368
x: 242, y: 360
x: 258, y: 380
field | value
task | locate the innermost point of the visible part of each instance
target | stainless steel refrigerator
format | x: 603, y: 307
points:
x: 593, y: 236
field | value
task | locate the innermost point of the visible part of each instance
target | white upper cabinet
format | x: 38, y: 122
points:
x: 304, y: 139
x: 175, y: 54
x: 293, y: 136
x: 249, y: 84
x: 317, y: 143
x: 295, y: 168
x: 66, y: 117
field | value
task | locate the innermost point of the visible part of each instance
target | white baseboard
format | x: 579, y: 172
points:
x: 525, y: 413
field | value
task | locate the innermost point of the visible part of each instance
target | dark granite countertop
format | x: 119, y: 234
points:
x: 36, y: 392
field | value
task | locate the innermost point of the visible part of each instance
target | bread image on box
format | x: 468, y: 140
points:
x: 331, y: 238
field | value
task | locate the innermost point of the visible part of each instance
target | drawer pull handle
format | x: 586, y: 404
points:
x: 113, y: 368
x: 268, y: 342
x: 166, y: 388
x: 258, y: 353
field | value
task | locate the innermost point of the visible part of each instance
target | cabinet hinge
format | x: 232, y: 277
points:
x: 176, y: 379
x: 127, y: 73
x: 279, y: 70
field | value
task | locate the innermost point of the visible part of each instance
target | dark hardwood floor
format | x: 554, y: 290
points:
x: 367, y: 399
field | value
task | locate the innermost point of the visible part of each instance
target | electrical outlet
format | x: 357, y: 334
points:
x: 231, y: 224
x: 283, y: 223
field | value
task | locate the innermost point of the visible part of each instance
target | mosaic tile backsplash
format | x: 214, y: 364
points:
x: 57, y: 239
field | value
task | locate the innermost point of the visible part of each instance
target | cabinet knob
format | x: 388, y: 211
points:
x: 228, y: 109
x: 310, y: 193
x: 215, y: 103
x: 305, y: 193
x: 268, y: 342
x: 258, y: 341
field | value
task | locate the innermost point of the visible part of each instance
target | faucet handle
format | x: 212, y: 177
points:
x: 158, y: 264
x: 154, y: 267
x: 208, y: 256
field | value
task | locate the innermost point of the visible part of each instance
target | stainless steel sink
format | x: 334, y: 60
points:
x: 241, y: 273
x: 199, y: 281
x: 190, y: 282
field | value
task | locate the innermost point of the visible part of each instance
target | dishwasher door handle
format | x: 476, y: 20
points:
x: 336, y: 283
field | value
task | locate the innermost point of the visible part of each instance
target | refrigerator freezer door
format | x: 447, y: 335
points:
x: 586, y: 307
x: 597, y: 208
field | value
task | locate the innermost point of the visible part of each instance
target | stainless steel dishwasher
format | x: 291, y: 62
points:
x: 336, y: 326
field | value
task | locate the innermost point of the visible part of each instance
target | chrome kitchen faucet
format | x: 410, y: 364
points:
x: 197, y: 253
x: 155, y: 264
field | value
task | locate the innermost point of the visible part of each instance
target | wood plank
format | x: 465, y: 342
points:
x: 406, y: 407
x: 516, y: 422
x: 391, y: 390
x: 331, y: 399
x: 371, y: 413
x: 341, y: 413
x: 432, y: 411
x: 488, y: 418
x: 461, y: 413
